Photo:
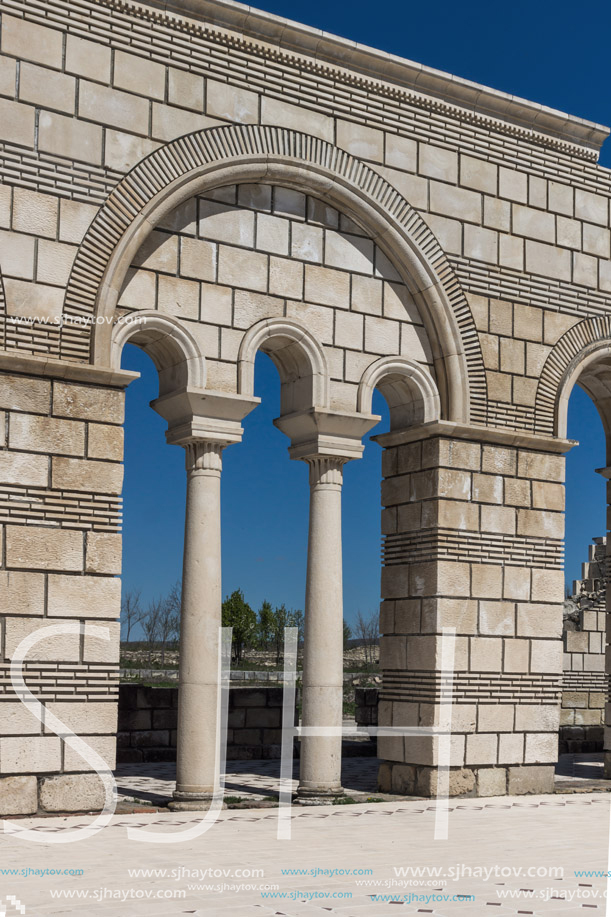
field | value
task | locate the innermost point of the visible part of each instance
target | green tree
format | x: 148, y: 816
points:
x: 297, y: 619
x: 281, y: 620
x: 238, y: 614
x: 266, y: 625
x: 347, y: 634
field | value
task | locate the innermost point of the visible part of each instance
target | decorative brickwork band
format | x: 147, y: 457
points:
x: 68, y: 509
x: 58, y: 681
x: 471, y: 687
x: 585, y: 681
x: 471, y: 547
x: 2, y: 310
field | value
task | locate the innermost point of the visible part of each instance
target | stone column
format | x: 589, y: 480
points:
x: 326, y: 440
x: 321, y: 756
x: 200, y: 621
x: 204, y: 423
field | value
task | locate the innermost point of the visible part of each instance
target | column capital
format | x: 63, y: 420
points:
x: 204, y: 455
x: 200, y: 415
x: 326, y: 470
x: 318, y: 433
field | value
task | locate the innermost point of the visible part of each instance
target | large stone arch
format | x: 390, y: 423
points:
x: 247, y: 153
x: 583, y: 354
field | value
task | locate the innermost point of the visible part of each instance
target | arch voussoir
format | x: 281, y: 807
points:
x: 582, y: 344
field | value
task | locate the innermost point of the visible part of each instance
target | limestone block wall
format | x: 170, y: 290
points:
x: 473, y: 541
x: 585, y: 684
x: 522, y: 214
x: 147, y: 723
x: 501, y: 283
x: 60, y: 509
x: 245, y: 253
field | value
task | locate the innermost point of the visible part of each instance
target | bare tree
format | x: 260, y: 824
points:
x: 175, y: 597
x: 131, y: 612
x: 367, y: 631
x: 169, y: 619
x: 151, y: 621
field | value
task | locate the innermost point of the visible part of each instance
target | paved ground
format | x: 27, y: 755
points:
x: 258, y: 780
x: 247, y: 780
x: 563, y: 832
x: 492, y: 845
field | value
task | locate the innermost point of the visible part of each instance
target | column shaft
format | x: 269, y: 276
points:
x: 320, y: 772
x: 200, y: 622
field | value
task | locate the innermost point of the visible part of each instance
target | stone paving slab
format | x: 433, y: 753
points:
x: 568, y: 832
x: 257, y: 780
x: 248, y: 779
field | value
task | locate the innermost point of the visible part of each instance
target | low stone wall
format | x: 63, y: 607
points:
x: 147, y: 723
x: 366, y: 713
x: 366, y: 700
x: 581, y: 739
x: 234, y: 675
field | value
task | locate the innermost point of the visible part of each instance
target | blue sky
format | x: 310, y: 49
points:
x: 550, y: 53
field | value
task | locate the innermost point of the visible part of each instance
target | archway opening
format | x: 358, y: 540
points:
x: 255, y: 277
x: 154, y: 490
x: 153, y: 534
x: 584, y: 686
x: 362, y: 528
x: 265, y: 505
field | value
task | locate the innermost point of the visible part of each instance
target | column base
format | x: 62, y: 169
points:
x: 421, y: 780
x: 318, y: 795
x: 190, y: 802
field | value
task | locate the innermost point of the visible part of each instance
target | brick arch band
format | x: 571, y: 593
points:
x: 2, y: 310
x: 576, y: 346
x: 234, y: 154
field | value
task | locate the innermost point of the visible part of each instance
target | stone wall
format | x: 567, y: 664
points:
x: 473, y: 542
x: 148, y: 716
x: 241, y: 185
x: 366, y: 702
x: 60, y: 465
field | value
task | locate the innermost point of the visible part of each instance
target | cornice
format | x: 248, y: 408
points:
x: 330, y: 56
x: 478, y: 433
x: 50, y: 368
